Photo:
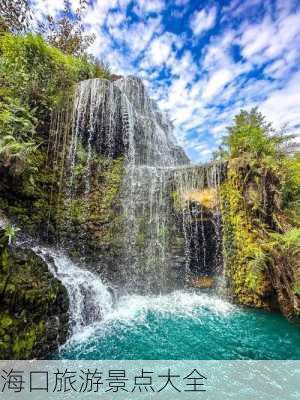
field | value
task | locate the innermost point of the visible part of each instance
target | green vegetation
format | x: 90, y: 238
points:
x: 31, y: 299
x: 38, y: 73
x: 35, y: 79
x: 260, y: 200
x: 92, y: 218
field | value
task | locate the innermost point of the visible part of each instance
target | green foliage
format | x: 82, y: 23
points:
x: 37, y: 73
x: 250, y: 134
x: 245, y: 256
x: 30, y: 298
x: 258, y: 197
x: 35, y: 77
x: 17, y: 130
x: 291, y: 186
x: 288, y: 243
x: 10, y: 233
x: 16, y: 119
x: 16, y: 155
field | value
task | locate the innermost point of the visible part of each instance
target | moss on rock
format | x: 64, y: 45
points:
x: 261, y: 260
x: 246, y: 263
x: 33, y: 308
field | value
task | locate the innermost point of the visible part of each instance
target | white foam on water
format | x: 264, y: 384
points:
x: 180, y: 303
x: 90, y: 300
x: 133, y: 310
x: 94, y: 312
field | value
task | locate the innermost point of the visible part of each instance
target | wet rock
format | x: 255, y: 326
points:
x: 206, y: 197
x: 33, y: 308
x: 202, y: 282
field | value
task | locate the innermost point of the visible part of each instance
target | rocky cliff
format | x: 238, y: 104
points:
x: 261, y: 242
x: 34, y: 305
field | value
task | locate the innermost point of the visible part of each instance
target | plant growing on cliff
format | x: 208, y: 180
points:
x: 17, y: 131
x: 35, y: 78
x: 10, y: 233
x: 37, y: 73
x: 258, y: 196
x: 250, y: 135
x: 14, y: 155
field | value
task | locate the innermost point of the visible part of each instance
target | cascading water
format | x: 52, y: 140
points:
x: 118, y: 118
x: 179, y: 325
x: 90, y: 300
x: 146, y: 202
x: 113, y: 118
x: 197, y: 190
x: 171, y: 232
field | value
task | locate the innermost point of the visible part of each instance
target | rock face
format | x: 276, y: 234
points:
x: 104, y: 176
x: 285, y: 278
x: 113, y: 150
x: 33, y: 306
x: 261, y: 256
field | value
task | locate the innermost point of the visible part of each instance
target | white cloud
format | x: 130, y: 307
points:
x: 282, y: 105
x: 217, y: 52
x: 238, y: 8
x: 98, y: 11
x: 203, y: 20
x: 257, y: 38
x: 138, y: 35
x: 115, y: 18
x: 160, y: 49
x: 201, y: 88
x: 269, y: 39
x: 216, y: 83
x: 148, y: 6
x: 46, y: 7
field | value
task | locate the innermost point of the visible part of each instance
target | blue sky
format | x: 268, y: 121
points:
x: 202, y: 60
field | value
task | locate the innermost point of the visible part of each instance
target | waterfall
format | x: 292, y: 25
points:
x: 150, y: 157
x: 197, y: 188
x: 89, y: 298
x: 170, y: 225
x: 112, y: 119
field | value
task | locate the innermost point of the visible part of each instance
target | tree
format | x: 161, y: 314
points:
x: 67, y: 32
x: 15, y: 15
x: 250, y: 134
x: 253, y: 137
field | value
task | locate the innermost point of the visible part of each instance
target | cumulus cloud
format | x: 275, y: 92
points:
x: 46, y: 7
x: 160, y: 49
x: 282, y: 105
x: 217, y: 82
x: 203, y: 20
x: 268, y: 39
x: 138, y: 35
x: 146, y: 7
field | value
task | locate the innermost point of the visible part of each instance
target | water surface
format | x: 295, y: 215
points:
x: 184, y: 325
